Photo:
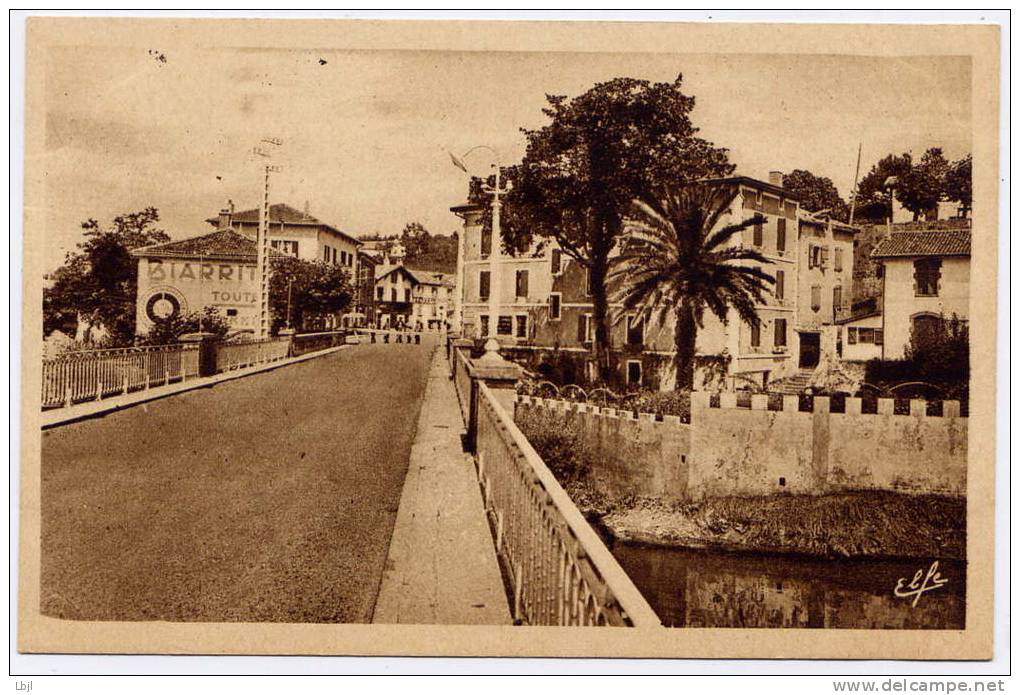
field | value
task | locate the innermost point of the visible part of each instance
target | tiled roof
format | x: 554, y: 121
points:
x: 425, y: 277
x: 934, y: 243
x: 282, y: 213
x: 222, y: 244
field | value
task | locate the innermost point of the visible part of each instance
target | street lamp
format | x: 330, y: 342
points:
x: 495, y: 246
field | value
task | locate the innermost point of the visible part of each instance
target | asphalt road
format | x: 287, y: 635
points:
x: 268, y: 498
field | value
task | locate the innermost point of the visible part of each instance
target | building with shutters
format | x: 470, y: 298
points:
x: 925, y: 279
x: 417, y: 299
x: 545, y: 298
x: 295, y: 233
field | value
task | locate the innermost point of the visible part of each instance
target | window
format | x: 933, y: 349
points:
x: 780, y: 287
x: 521, y: 284
x: 484, y: 320
x: 818, y: 256
x: 837, y: 263
x: 555, y: 261
x: 756, y: 334
x: 231, y: 312
x: 866, y: 335
x: 379, y: 293
x: 555, y: 306
x: 816, y: 297
x: 927, y: 272
x: 635, y: 330
x: 483, y: 284
x: 288, y: 247
x: 780, y: 337
x: 522, y: 326
x: 879, y: 337
x: 587, y: 282
x: 634, y: 372
x: 851, y: 336
x: 486, y: 242
x: 756, y: 237
x: 781, y: 234
x: 837, y: 299
x: 393, y: 294
x: 585, y: 328
x: 505, y: 325
x: 325, y: 254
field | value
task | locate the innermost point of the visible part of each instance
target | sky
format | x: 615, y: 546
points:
x: 365, y: 134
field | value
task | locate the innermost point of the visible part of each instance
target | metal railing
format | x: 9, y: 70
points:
x: 303, y: 343
x: 560, y: 572
x: 75, y: 377
x: 230, y: 356
x: 460, y: 368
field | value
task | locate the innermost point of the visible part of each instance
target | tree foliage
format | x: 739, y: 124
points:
x: 957, y: 182
x: 425, y: 251
x: 872, y: 194
x: 315, y: 290
x: 816, y: 193
x: 920, y: 188
x: 622, y: 139
x: 99, y: 280
x: 677, y: 262
x: 169, y: 329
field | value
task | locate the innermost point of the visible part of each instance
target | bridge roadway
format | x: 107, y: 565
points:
x: 269, y: 498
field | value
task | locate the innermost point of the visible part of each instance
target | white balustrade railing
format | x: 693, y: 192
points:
x: 560, y: 571
x: 96, y: 374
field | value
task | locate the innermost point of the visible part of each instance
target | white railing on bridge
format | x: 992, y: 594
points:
x: 560, y: 571
x: 460, y: 368
x: 231, y: 356
x: 96, y: 374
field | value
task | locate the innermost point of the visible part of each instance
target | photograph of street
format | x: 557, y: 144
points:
x: 646, y: 340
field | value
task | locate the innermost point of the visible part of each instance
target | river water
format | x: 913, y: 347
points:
x: 689, y: 588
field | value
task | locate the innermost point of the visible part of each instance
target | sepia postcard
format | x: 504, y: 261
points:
x: 509, y: 338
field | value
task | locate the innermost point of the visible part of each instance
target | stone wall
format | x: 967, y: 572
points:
x: 729, y: 450
x: 630, y: 456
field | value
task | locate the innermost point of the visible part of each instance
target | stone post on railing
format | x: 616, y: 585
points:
x: 499, y: 375
x: 206, y: 343
x: 289, y: 334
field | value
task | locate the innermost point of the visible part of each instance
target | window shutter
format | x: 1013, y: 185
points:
x: 780, y: 283
x: 757, y: 237
x: 878, y: 336
x: 483, y: 284
x: 581, y: 337
x: 556, y: 260
x: 781, y: 234
x: 825, y: 256
x: 851, y: 336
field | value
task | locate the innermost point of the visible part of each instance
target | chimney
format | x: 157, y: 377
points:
x: 226, y: 216
x: 776, y: 178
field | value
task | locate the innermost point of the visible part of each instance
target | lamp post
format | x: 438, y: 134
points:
x: 495, y: 247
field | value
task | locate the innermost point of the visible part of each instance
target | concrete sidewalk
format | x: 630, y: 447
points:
x: 82, y: 411
x: 442, y: 566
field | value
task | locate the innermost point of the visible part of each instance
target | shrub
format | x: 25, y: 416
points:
x: 558, y: 444
x: 166, y: 331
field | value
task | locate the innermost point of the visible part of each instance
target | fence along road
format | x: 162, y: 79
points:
x: 559, y: 570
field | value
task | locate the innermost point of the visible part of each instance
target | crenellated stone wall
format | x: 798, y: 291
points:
x: 792, y: 446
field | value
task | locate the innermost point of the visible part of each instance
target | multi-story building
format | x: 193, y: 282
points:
x: 544, y: 297
x: 295, y: 233
x: 825, y: 265
x: 415, y: 298
x: 364, y: 288
x: 925, y: 278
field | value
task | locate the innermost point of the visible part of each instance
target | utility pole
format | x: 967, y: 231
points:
x: 857, y: 173
x: 262, y: 241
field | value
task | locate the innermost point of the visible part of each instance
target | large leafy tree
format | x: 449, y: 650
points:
x: 311, y: 289
x: 415, y: 239
x: 98, y: 282
x: 678, y: 261
x: 622, y: 139
x: 872, y: 198
x: 920, y: 188
x: 816, y: 193
x: 956, y: 183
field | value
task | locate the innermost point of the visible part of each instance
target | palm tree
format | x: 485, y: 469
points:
x: 675, y: 259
